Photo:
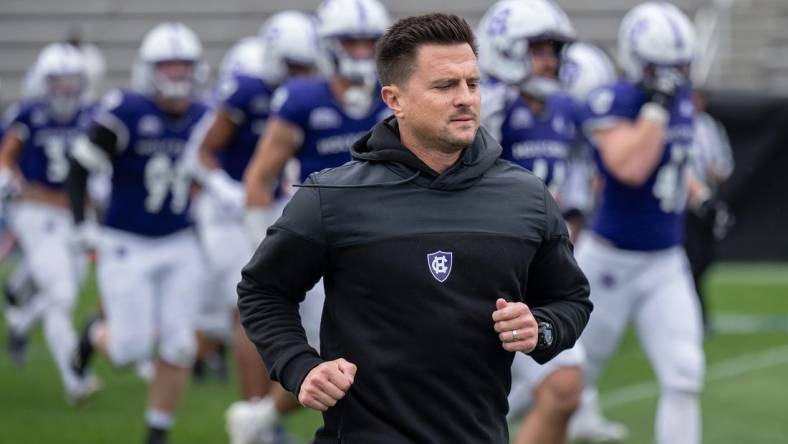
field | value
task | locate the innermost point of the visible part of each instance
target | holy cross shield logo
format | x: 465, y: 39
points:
x: 439, y: 263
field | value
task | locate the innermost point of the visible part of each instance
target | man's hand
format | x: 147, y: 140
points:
x: 326, y: 384
x: 516, y: 326
x: 662, y: 86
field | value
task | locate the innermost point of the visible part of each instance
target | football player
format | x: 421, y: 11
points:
x: 150, y: 266
x: 34, y: 164
x: 642, y: 130
x: 520, y: 51
x: 315, y: 120
x: 586, y: 67
x: 286, y: 47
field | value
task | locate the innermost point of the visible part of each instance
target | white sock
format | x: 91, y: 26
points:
x: 62, y: 340
x: 267, y: 405
x: 23, y: 319
x: 589, y: 409
x: 678, y: 418
x: 159, y: 419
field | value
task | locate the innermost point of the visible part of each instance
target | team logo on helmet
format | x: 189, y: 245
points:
x: 439, y: 263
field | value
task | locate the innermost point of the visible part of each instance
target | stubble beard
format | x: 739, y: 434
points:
x: 450, y: 143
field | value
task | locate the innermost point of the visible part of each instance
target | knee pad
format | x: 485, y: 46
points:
x: 127, y: 351
x: 685, y: 374
x: 63, y: 294
x: 178, y: 350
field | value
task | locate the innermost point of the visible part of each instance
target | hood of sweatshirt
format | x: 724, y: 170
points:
x: 382, y: 144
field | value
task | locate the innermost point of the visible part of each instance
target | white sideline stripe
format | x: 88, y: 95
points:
x: 722, y: 370
x: 749, y: 324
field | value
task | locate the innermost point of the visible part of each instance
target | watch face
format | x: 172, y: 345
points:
x: 545, y: 335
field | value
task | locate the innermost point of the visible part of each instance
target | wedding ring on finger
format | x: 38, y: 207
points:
x: 514, y: 336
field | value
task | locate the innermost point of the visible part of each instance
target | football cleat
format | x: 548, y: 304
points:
x: 252, y: 422
x: 17, y: 348
x: 83, y: 389
x: 592, y: 427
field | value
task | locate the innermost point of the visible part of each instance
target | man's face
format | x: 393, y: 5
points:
x: 544, y: 59
x: 359, y: 48
x: 439, y: 103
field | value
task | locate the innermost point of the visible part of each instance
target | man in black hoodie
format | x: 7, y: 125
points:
x: 439, y: 261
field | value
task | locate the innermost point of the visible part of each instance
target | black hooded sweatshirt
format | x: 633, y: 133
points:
x: 431, y: 368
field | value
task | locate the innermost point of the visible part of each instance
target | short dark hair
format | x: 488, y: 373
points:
x: 396, y: 50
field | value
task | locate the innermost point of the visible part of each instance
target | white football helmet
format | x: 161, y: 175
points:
x: 244, y: 57
x: 289, y: 38
x: 504, y: 33
x: 654, y: 33
x: 169, y: 42
x: 59, y: 77
x: 585, y: 67
x: 350, y: 19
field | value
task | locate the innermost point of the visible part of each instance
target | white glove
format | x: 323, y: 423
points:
x: 9, y: 185
x: 85, y: 236
x: 257, y: 220
x: 226, y: 190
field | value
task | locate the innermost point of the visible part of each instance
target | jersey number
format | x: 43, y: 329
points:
x: 669, y: 185
x: 542, y: 170
x: 163, y: 175
x: 57, y: 162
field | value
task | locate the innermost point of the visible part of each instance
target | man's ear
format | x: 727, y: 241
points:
x: 391, y: 95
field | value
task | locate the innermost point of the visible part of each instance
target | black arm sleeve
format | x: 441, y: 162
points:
x: 285, y: 266
x: 557, y: 290
x: 77, y: 179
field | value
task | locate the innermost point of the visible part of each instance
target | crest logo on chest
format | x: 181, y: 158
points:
x: 149, y: 126
x: 439, y: 264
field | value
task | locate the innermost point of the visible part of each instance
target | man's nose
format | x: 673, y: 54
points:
x: 465, y: 95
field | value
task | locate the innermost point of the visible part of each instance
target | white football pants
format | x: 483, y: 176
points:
x: 151, y: 290
x: 654, y: 290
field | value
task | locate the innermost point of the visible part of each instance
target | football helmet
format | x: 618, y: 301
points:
x: 655, y: 34
x: 170, y: 42
x: 585, y: 67
x: 289, y: 39
x: 340, y: 20
x: 245, y: 57
x: 504, y: 34
x: 59, y: 77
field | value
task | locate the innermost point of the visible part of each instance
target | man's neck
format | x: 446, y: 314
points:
x: 439, y: 161
x: 338, y: 87
x: 536, y: 105
x: 173, y: 108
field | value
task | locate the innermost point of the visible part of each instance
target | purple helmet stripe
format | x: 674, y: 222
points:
x: 673, y: 26
x: 175, y: 42
x: 362, y: 13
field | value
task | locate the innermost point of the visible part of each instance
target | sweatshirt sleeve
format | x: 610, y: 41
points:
x: 287, y: 264
x: 557, y: 290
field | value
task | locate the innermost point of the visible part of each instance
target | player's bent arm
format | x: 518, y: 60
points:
x: 211, y: 136
x: 631, y: 151
x: 279, y: 143
x: 557, y: 290
x: 10, y: 150
x: 90, y: 152
x: 697, y: 192
x: 215, y: 138
x: 284, y: 267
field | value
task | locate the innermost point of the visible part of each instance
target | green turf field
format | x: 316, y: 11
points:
x: 745, y: 401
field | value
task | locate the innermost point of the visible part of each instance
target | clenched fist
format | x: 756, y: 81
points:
x: 516, y: 326
x: 326, y: 384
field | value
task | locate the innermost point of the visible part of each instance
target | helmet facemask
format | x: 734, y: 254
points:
x: 545, y: 59
x: 174, y: 80
x: 64, y: 95
x: 353, y: 59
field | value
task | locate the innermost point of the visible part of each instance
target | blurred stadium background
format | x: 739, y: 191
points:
x: 745, y: 64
